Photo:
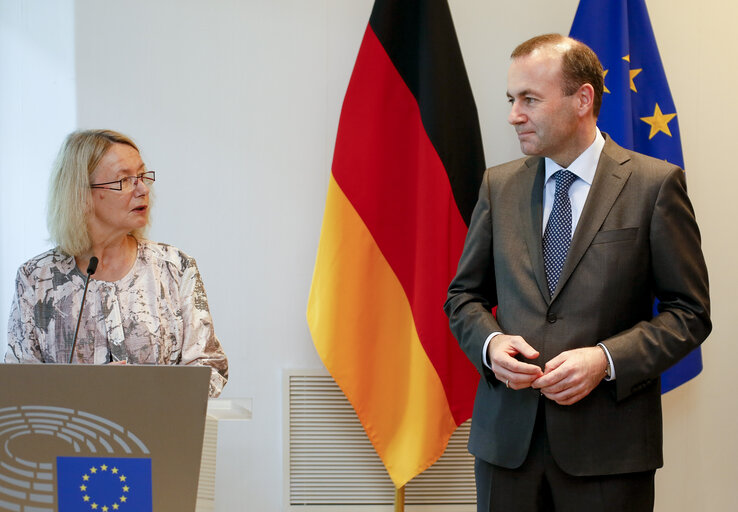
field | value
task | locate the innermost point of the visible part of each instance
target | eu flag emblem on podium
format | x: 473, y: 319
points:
x: 104, y: 484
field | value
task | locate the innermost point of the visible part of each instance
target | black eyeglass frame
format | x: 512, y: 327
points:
x: 148, y: 175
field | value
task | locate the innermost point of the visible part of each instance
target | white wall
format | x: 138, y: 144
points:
x: 696, y: 39
x: 37, y: 109
x: 235, y: 104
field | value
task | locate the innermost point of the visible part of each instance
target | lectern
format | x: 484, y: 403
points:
x: 101, y: 438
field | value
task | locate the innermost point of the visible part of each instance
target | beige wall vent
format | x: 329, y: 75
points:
x: 330, y: 464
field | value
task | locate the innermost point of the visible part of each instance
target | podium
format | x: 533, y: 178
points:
x: 101, y: 438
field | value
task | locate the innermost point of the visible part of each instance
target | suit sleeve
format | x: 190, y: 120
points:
x: 471, y: 294
x: 680, y: 284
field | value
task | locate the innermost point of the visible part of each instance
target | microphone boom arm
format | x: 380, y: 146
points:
x: 90, y: 270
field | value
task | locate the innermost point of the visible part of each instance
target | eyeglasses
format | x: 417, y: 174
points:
x: 128, y: 183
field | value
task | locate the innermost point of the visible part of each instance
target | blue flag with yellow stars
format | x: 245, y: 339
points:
x: 637, y: 109
x: 104, y: 484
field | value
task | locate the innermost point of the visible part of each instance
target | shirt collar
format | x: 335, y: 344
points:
x: 585, y: 164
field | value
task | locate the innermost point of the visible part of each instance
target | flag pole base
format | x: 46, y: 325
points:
x: 400, y: 499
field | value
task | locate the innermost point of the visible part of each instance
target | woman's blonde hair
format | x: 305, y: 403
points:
x: 70, y: 198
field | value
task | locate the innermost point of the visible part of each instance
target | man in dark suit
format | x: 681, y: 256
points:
x: 572, y: 245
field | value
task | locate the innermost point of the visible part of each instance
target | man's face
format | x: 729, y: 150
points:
x: 545, y: 120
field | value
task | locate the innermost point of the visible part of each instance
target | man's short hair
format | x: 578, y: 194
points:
x: 579, y: 64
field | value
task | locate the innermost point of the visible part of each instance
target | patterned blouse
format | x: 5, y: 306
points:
x: 157, y: 314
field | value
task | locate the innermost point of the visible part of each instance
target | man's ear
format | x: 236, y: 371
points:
x: 585, y: 99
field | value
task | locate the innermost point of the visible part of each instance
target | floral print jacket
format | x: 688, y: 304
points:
x: 157, y: 314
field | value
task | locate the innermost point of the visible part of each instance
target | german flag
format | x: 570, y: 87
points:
x: 406, y: 172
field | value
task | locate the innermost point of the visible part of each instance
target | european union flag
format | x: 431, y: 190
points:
x: 103, y: 484
x: 637, y: 109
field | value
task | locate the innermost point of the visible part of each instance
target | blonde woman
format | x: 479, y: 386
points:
x: 145, y: 304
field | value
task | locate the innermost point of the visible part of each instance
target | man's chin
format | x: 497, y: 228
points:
x: 529, y: 149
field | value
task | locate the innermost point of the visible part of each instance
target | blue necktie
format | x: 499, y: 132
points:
x: 557, y: 236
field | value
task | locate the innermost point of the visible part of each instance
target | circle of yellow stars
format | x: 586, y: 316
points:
x: 659, y: 121
x: 104, y: 507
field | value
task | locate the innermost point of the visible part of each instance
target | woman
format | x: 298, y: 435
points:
x: 146, y: 303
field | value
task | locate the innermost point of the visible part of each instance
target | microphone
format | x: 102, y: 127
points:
x: 90, y: 270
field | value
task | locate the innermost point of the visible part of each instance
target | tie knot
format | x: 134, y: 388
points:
x: 564, y: 179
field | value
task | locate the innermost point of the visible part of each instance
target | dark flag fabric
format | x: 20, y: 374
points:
x: 406, y: 171
x: 104, y: 484
x: 637, y: 109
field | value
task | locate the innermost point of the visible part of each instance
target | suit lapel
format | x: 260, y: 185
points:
x: 609, y: 180
x: 531, y: 215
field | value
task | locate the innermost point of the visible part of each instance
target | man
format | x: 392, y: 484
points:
x: 572, y: 245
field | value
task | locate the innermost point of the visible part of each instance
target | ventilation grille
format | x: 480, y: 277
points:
x: 330, y: 461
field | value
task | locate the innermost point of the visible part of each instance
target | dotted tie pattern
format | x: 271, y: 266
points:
x: 557, y: 236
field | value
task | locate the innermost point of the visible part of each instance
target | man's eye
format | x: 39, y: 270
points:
x: 529, y: 100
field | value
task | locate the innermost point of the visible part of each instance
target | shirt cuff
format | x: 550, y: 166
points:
x: 484, y: 349
x: 609, y: 362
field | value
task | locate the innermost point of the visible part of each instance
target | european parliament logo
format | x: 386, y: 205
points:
x: 104, y: 484
x: 101, y: 466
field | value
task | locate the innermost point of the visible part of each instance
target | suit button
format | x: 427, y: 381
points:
x: 551, y: 318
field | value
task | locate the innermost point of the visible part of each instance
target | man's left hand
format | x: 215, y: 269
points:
x: 572, y: 375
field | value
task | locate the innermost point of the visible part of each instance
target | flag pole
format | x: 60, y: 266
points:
x: 400, y: 499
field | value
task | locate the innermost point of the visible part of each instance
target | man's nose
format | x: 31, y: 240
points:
x: 515, y: 116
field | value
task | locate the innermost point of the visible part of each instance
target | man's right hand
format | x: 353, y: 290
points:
x: 515, y: 374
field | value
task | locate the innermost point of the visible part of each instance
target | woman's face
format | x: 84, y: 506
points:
x: 118, y: 212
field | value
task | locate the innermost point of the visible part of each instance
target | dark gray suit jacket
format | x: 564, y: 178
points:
x: 636, y: 239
